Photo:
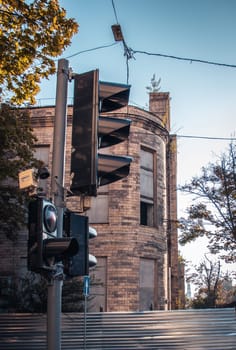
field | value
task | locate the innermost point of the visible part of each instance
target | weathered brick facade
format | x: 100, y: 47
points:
x: 137, y: 263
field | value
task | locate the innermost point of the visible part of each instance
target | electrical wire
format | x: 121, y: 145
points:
x: 113, y: 5
x: 177, y: 135
x: 93, y: 49
x: 207, y: 137
x: 186, y: 59
x: 189, y: 136
x: 128, y: 53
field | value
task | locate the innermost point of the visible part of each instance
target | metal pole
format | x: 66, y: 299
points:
x: 54, y: 315
x: 85, y: 321
x: 170, y: 287
x: 57, y: 194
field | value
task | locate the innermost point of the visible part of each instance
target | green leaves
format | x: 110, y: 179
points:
x: 16, y: 154
x: 32, y: 35
x: 16, y: 141
x: 213, y: 212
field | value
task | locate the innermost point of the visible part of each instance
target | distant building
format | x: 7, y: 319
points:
x: 136, y: 218
x: 181, y: 283
x: 189, y: 293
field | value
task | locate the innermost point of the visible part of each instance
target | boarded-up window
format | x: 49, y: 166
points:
x: 146, y: 187
x: 147, y: 284
x: 146, y: 182
x: 98, y: 213
x: 98, y: 286
x: 42, y: 153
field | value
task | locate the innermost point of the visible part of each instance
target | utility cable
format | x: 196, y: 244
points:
x: 113, y: 5
x: 207, y: 137
x: 187, y: 136
x: 128, y: 53
x: 185, y: 59
x: 92, y: 49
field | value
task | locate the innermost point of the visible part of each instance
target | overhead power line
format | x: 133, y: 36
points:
x: 185, y: 59
x: 113, y: 5
x: 207, y: 137
x: 92, y: 49
x: 129, y: 53
x: 177, y: 135
x: 188, y: 136
x: 133, y: 52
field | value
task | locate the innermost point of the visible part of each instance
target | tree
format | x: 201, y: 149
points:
x: 29, y: 294
x: 213, y: 213
x: 206, y: 277
x: 72, y: 295
x: 33, y: 33
x: 16, y: 154
x: 214, y: 286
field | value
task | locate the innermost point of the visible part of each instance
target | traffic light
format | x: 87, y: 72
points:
x: 77, y: 226
x: 90, y: 131
x: 44, y: 248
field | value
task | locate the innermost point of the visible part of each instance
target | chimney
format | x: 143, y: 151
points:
x: 159, y: 104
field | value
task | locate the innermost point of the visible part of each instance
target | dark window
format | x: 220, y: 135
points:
x: 146, y: 214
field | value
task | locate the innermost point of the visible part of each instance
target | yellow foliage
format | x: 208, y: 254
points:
x: 31, y: 35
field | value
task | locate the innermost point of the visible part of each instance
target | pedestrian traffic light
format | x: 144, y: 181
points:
x: 44, y: 248
x: 77, y: 226
x: 90, y: 131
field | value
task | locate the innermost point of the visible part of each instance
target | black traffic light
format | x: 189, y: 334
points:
x: 77, y: 226
x: 90, y: 131
x: 44, y: 248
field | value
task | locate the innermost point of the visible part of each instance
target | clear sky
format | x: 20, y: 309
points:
x: 203, y: 96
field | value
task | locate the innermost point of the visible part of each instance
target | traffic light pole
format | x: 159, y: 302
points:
x: 57, y: 194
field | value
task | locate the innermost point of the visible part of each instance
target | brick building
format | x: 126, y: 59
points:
x: 135, y: 218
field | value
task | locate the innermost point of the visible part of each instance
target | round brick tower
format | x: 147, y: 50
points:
x: 134, y: 216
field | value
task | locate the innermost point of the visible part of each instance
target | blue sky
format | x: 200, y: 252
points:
x: 203, y: 97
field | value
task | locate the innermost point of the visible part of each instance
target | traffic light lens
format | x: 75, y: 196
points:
x: 50, y: 218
